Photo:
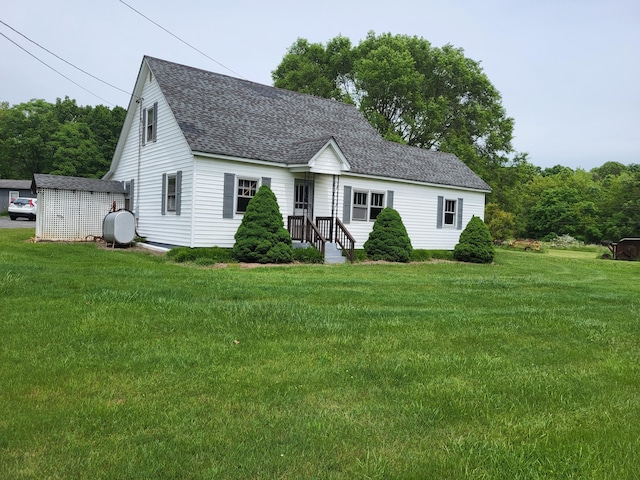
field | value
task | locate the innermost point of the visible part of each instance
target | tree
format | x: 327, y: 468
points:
x: 40, y: 137
x: 388, y: 239
x: 476, y: 244
x: 411, y: 92
x: 261, y: 237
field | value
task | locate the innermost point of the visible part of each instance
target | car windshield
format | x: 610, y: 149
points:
x: 22, y: 201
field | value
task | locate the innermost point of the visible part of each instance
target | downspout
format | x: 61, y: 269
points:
x: 136, y: 208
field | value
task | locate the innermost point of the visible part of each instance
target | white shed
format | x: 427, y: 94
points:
x: 73, y: 208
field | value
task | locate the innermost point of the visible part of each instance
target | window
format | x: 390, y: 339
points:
x: 449, y: 213
x: 171, y: 193
x: 150, y: 124
x: 246, y: 191
x: 301, y: 200
x: 367, y: 205
x: 377, y: 204
x: 360, y: 205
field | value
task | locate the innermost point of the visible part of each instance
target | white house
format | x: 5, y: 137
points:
x: 197, y: 145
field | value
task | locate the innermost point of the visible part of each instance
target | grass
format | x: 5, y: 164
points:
x: 121, y: 364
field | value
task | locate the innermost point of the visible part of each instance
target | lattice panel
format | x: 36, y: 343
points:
x: 72, y: 215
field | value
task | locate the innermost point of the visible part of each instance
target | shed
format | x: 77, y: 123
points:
x: 10, y: 189
x: 73, y: 208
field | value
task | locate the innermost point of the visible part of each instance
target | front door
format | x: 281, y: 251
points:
x: 303, y: 198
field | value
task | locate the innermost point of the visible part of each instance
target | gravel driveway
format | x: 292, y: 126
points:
x: 6, y: 222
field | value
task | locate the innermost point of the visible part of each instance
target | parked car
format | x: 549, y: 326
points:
x: 23, y: 207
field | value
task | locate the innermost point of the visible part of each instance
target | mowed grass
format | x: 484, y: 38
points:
x: 121, y: 364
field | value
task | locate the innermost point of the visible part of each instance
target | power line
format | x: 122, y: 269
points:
x: 178, y: 38
x: 65, y: 61
x: 59, y: 73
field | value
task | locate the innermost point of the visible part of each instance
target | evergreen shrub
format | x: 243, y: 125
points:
x: 261, y: 237
x: 389, y: 239
x: 476, y: 244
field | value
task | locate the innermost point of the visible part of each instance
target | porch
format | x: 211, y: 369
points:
x: 322, y: 234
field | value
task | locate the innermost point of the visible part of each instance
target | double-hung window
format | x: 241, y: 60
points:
x: 449, y: 213
x: 171, y: 193
x: 360, y: 205
x: 246, y: 191
x: 367, y: 205
x: 150, y: 124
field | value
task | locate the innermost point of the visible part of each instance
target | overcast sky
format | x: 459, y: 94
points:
x: 568, y: 70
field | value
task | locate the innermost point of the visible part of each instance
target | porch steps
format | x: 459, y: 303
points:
x: 332, y: 254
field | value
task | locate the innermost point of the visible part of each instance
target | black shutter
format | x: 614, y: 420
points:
x: 346, y: 208
x: 440, y: 212
x: 131, y: 194
x: 459, y: 227
x: 227, y: 200
x: 390, y: 198
x: 178, y: 191
x: 164, y: 193
x: 266, y: 181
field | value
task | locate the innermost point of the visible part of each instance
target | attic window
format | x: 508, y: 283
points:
x: 150, y: 124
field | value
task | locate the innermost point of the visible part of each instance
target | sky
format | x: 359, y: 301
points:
x: 568, y: 71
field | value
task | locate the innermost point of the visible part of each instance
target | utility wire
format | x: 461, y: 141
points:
x: 65, y: 61
x: 61, y: 74
x: 178, y: 38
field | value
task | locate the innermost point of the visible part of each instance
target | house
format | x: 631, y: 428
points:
x: 197, y: 145
x: 73, y: 208
x: 11, y: 189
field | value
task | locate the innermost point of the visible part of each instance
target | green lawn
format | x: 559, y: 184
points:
x: 121, y: 364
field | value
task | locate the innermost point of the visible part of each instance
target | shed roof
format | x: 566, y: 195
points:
x: 15, y: 184
x: 60, y: 182
x: 222, y: 115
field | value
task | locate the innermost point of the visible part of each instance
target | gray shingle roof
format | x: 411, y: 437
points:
x: 15, y: 184
x: 227, y: 116
x: 60, y: 182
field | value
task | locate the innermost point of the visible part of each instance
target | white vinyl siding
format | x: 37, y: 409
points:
x: 170, y: 153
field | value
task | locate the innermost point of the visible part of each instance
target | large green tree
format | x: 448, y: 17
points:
x: 411, y: 92
x: 62, y: 138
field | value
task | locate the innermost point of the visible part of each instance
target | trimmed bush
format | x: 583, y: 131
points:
x: 201, y: 256
x: 389, y: 239
x: 476, y: 244
x: 261, y: 237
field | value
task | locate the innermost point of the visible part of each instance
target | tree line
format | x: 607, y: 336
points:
x: 59, y: 138
x: 412, y: 93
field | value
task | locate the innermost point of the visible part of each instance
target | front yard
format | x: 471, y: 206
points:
x: 122, y: 364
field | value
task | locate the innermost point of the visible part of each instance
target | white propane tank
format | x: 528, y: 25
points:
x: 119, y: 227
